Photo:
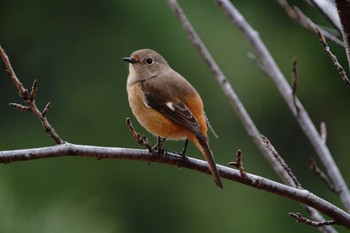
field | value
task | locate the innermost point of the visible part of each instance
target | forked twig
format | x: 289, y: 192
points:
x: 299, y: 218
x: 29, y: 99
x: 238, y: 163
x: 321, y: 175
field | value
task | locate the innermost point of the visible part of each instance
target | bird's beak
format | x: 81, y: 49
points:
x: 129, y: 59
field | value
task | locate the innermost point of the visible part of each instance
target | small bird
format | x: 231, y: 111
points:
x: 166, y: 104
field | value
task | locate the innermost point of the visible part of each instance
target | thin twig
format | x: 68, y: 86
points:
x: 258, y: 182
x: 271, y: 148
x: 285, y: 90
x: 295, y: 82
x: 29, y: 99
x: 34, y: 90
x: 327, y: 51
x: 299, y: 218
x: 142, y: 140
x: 321, y: 175
x: 46, y: 109
x: 20, y: 107
x: 238, y: 163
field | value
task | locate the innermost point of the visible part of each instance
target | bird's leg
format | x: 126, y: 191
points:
x: 159, y: 146
x: 183, y: 153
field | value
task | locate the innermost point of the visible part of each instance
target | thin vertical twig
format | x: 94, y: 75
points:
x: 329, y: 53
x: 279, y: 158
x: 295, y: 82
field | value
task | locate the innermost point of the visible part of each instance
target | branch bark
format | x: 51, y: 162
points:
x: 261, y: 183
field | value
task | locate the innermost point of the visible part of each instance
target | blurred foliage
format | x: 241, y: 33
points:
x: 74, y: 48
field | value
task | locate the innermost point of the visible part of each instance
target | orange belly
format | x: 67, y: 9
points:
x: 152, y: 120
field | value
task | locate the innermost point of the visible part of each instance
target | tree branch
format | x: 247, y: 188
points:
x: 29, y: 99
x: 329, y: 10
x: 235, y: 102
x: 298, y: 16
x: 295, y: 83
x: 299, y: 218
x: 327, y: 51
x: 68, y: 149
x: 285, y: 90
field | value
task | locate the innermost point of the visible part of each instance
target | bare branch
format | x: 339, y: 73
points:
x: 142, y: 140
x: 321, y: 175
x: 67, y: 149
x: 285, y: 90
x: 20, y: 107
x: 29, y: 99
x: 34, y: 90
x: 298, y: 16
x: 300, y: 218
x: 327, y: 51
x: 22, y: 91
x: 295, y: 83
x: 46, y: 109
x: 270, y: 147
x: 329, y: 10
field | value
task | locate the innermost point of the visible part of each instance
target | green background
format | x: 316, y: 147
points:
x: 74, y: 49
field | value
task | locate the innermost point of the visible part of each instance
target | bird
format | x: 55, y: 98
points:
x: 167, y: 105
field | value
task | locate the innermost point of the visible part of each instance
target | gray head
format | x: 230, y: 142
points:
x: 145, y: 64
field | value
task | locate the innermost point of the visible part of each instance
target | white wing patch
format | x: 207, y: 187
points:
x: 170, y: 105
x: 146, y: 104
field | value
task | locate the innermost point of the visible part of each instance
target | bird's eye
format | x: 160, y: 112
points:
x: 149, y: 61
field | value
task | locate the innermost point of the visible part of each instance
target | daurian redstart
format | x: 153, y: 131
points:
x: 166, y: 104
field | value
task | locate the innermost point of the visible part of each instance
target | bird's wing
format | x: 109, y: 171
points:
x: 171, y: 107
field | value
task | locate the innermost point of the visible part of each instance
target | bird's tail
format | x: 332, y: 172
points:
x: 202, y: 145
